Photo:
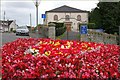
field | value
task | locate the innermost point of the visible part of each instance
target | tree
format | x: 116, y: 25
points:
x: 107, y: 16
x: 95, y: 17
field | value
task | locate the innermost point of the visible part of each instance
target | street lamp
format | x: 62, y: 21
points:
x: 37, y: 2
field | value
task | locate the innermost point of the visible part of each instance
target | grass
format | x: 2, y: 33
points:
x: 59, y: 37
x: 78, y: 35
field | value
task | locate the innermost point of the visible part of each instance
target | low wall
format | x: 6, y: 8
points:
x: 47, y: 31
x: 43, y: 30
x: 93, y: 36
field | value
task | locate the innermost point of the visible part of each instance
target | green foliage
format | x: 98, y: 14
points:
x: 11, y: 29
x: 107, y: 16
x: 95, y: 18
x: 14, y: 31
x: 60, y: 31
x: 59, y: 27
x: 35, y: 28
x: 39, y: 25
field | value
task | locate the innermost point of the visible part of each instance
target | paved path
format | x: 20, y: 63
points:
x: 71, y: 36
x: 35, y: 35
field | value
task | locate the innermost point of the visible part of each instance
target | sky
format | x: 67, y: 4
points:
x: 20, y: 10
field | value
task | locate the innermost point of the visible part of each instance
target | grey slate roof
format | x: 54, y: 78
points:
x: 6, y: 23
x: 66, y: 9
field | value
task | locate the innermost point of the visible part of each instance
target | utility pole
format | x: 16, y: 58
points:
x: 36, y: 5
x: 37, y: 17
x: 3, y: 21
x: 4, y: 15
x: 30, y: 20
x: 30, y: 23
x: 36, y: 12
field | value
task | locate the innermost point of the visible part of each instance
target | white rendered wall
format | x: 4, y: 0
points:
x: 61, y: 18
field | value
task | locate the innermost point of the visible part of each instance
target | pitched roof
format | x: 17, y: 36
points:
x: 66, y: 9
x: 9, y: 22
x: 6, y: 23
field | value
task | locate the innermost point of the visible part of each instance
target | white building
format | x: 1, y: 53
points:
x: 8, y: 25
x: 72, y: 17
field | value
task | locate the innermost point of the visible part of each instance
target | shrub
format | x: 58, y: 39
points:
x: 59, y: 28
x: 11, y: 29
x: 14, y: 31
x: 60, y: 31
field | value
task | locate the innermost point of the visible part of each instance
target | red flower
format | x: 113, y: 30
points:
x: 59, y: 58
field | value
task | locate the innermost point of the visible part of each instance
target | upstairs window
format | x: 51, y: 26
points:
x: 79, y: 18
x: 55, y: 17
x: 67, y: 18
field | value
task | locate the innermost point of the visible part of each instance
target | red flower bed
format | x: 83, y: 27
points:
x: 59, y: 59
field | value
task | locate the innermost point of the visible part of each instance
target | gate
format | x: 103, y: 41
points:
x: 71, y: 35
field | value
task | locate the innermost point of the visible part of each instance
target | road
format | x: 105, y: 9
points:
x: 9, y: 37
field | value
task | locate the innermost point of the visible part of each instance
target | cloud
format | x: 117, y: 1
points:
x: 19, y: 5
x: 20, y: 10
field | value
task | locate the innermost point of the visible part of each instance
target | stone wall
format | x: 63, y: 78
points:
x: 43, y: 30
x: 93, y: 36
x: 51, y: 32
x: 48, y: 31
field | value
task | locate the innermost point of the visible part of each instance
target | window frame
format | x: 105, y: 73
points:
x: 55, y: 17
x: 79, y: 17
x: 67, y: 17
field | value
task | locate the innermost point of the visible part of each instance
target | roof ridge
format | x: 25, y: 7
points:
x: 66, y: 8
x: 6, y: 21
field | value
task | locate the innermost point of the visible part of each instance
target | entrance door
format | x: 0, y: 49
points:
x: 68, y: 26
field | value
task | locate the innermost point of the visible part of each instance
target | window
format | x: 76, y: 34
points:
x: 67, y: 18
x: 79, y: 18
x: 55, y: 17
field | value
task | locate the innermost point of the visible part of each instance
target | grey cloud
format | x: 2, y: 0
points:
x: 19, y: 5
x: 18, y: 11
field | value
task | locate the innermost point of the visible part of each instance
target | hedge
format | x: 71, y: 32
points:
x: 59, y: 28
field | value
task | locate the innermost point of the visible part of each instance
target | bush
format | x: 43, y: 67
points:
x: 60, y: 31
x: 14, y: 31
x: 59, y: 28
x: 11, y: 29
